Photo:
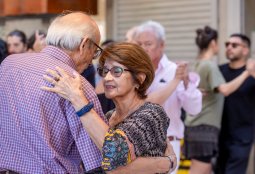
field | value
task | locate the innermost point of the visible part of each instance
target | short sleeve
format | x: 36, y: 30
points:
x: 215, y: 77
x: 117, y: 150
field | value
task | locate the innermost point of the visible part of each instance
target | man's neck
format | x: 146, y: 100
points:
x: 237, y: 64
x: 155, y: 63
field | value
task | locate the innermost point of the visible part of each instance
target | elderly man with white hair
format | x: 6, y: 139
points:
x: 151, y: 36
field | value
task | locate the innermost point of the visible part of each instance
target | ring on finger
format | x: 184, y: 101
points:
x: 56, y: 79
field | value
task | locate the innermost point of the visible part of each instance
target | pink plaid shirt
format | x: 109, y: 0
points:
x: 39, y: 131
x: 189, y: 99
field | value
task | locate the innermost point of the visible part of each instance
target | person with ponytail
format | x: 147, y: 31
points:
x: 201, y: 134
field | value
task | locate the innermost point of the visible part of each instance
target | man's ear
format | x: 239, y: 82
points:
x: 246, y: 51
x: 162, y: 45
x: 83, y: 45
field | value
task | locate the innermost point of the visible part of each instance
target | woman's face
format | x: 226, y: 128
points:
x: 117, y: 79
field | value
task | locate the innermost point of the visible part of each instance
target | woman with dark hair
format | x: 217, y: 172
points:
x: 3, y: 50
x: 201, y: 134
x: 137, y: 128
x: 16, y: 42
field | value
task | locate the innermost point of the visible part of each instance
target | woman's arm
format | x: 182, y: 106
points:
x: 141, y: 165
x: 70, y: 88
x: 150, y: 165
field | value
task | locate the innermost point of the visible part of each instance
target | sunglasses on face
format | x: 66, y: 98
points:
x: 233, y: 44
x: 115, y: 71
x: 98, y: 51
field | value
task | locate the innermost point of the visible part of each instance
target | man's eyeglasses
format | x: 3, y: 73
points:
x: 98, y: 51
x: 115, y: 71
x: 233, y: 44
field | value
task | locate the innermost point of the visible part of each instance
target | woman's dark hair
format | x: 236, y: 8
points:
x: 19, y: 34
x: 3, y: 50
x: 205, y: 36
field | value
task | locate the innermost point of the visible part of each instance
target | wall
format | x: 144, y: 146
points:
x: 180, y: 18
x: 250, y: 23
x: 29, y: 23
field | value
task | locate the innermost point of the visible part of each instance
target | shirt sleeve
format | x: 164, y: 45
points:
x: 117, y: 150
x: 190, y: 98
x: 215, y: 77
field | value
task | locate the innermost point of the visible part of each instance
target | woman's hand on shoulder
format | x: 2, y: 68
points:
x: 66, y: 86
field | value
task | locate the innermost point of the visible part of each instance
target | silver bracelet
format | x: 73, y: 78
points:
x: 171, y: 159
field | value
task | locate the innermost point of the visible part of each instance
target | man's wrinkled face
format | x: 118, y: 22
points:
x: 151, y: 44
x: 15, y: 45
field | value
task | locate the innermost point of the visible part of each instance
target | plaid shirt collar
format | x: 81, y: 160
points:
x: 60, y: 55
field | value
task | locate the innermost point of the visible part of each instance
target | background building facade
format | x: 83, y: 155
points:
x: 180, y: 18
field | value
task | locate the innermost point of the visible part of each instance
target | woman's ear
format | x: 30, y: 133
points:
x: 214, y: 46
x: 141, y: 77
x: 213, y: 43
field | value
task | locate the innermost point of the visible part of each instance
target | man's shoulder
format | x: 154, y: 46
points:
x: 224, y: 65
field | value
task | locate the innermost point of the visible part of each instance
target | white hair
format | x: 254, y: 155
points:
x: 154, y: 26
x: 130, y: 34
x: 68, y: 34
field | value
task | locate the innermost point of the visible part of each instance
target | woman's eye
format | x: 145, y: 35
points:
x: 117, y: 70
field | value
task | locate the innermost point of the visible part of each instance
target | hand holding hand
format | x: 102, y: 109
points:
x: 182, y: 73
x: 204, y: 92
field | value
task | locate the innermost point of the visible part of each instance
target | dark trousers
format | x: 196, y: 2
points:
x: 95, y: 171
x: 233, y: 158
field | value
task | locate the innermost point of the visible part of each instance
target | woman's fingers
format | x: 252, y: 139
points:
x: 50, y: 89
x: 55, y: 75
x: 76, y: 75
x: 76, y: 78
x: 51, y: 80
x: 63, y: 84
x: 61, y: 72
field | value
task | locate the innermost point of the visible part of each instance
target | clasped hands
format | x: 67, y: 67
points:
x: 182, y: 73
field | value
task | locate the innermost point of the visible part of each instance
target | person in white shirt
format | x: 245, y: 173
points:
x: 150, y: 36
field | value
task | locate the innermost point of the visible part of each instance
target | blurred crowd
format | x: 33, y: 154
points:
x: 211, y: 107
